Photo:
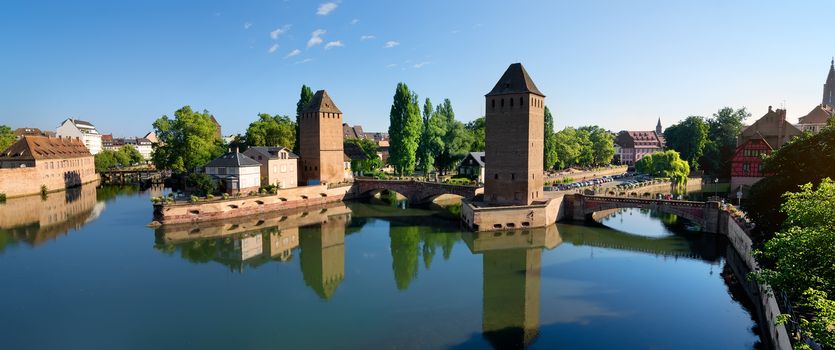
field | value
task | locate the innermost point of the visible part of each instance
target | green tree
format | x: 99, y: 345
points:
x: 187, y: 141
x: 305, y: 96
x: 128, y: 155
x: 805, y: 159
x: 476, y: 130
x: 369, y: 149
x: 405, y: 241
x: 202, y: 184
x: 800, y: 260
x: 7, y: 137
x: 666, y: 164
x: 456, y: 139
x: 105, y: 160
x: 568, y: 147
x: 586, y: 147
x: 688, y: 137
x: 269, y: 130
x: 723, y: 129
x: 405, y: 126
x: 549, y: 154
x: 431, y: 138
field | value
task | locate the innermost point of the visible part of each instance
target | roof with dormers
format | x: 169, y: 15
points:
x: 233, y: 160
x: 321, y: 102
x: 515, y: 80
x: 42, y: 147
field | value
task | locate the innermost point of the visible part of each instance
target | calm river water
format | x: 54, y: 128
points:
x: 80, y: 270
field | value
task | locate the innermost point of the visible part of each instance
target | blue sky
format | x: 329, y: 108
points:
x: 618, y: 64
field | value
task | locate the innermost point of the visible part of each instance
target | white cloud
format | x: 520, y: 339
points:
x: 278, y: 31
x: 391, y: 65
x: 391, y: 43
x: 295, y: 52
x: 247, y: 25
x: 304, y: 61
x: 273, y: 48
x: 316, y: 37
x: 367, y: 37
x: 355, y: 21
x: 331, y: 44
x: 326, y: 8
x: 419, y: 65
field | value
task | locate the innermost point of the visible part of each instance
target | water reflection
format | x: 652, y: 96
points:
x: 511, y: 271
x: 35, y: 220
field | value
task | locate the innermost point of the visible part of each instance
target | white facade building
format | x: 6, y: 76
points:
x: 81, y: 130
x: 236, y: 173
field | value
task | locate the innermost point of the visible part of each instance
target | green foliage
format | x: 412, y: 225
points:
x: 456, y: 139
x: 568, y: 147
x: 405, y: 241
x: 805, y: 159
x: 549, y: 154
x: 405, y: 126
x: 128, y: 155
x: 186, y: 142
x: 800, y: 260
x: 305, y: 96
x: 202, y: 184
x: 194, y: 199
x: 431, y: 138
x: 666, y: 164
x: 269, y: 130
x: 688, y: 137
x: 476, y: 130
x: 105, y: 160
x: 2, y: 197
x: 723, y: 129
x: 585, y: 146
x: 44, y: 191
x: 7, y: 137
x: 603, y: 145
x: 371, y: 162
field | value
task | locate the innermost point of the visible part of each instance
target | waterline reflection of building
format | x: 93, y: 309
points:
x: 255, y: 240
x: 36, y: 220
x: 511, y: 268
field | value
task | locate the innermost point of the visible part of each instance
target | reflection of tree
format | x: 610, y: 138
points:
x: 109, y: 192
x: 404, y: 253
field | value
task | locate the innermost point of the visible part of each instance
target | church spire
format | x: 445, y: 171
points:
x: 658, y: 128
x: 829, y: 86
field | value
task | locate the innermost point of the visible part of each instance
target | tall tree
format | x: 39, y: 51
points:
x: 568, y: 147
x: 723, y: 128
x: 268, y: 130
x: 429, y: 140
x: 476, y: 130
x: 688, y: 137
x: 305, y: 96
x: 550, y: 156
x: 456, y: 139
x: 129, y: 155
x: 187, y: 141
x: 586, y: 147
x: 7, y: 137
x: 405, y: 126
x: 602, y: 144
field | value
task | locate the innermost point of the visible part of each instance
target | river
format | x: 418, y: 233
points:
x: 81, y: 270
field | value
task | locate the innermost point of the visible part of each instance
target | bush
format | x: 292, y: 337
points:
x: 202, y: 184
x: 225, y: 195
x: 210, y: 196
x: 156, y: 200
x: 2, y: 198
x: 194, y: 199
x: 44, y: 191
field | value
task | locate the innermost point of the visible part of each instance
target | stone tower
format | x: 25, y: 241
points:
x: 515, y: 130
x: 829, y: 86
x: 658, y: 129
x: 320, y: 145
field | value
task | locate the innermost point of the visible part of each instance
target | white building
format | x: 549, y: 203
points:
x: 81, y: 130
x: 236, y: 173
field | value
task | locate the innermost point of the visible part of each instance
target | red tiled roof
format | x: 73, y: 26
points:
x: 42, y: 147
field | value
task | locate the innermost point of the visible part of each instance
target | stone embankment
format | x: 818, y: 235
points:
x: 586, y: 174
x: 216, y: 209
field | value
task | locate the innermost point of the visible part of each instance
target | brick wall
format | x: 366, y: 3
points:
x: 55, y: 174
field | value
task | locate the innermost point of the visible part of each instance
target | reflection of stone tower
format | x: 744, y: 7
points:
x: 511, y: 297
x: 323, y: 255
x: 512, y: 283
x: 320, y: 145
x: 515, y: 128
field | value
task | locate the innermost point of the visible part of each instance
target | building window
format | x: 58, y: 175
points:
x: 496, y: 176
x: 502, y: 103
x: 493, y: 103
x: 513, y: 176
x: 746, y: 168
x: 511, y: 102
x: 521, y: 102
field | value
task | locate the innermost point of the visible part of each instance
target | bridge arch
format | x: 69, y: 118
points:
x: 414, y: 191
x: 703, y: 213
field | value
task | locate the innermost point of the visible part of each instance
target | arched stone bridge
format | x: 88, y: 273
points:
x: 705, y: 214
x: 415, y: 191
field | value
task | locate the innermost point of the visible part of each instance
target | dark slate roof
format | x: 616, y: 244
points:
x: 515, y: 80
x: 478, y: 156
x: 321, y: 102
x: 233, y: 159
x: 272, y: 152
x: 80, y: 122
x: 353, y: 151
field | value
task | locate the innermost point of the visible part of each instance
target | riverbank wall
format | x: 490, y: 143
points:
x: 762, y: 296
x: 217, y: 209
x: 587, y: 175
x: 478, y: 217
x: 19, y: 182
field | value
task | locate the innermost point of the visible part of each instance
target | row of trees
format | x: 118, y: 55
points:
x: 584, y: 146
x: 127, y: 155
x: 708, y: 143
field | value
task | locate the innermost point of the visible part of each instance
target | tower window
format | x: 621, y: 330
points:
x: 513, y: 176
x: 493, y: 103
x: 496, y: 176
x: 502, y: 103
x: 511, y: 101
